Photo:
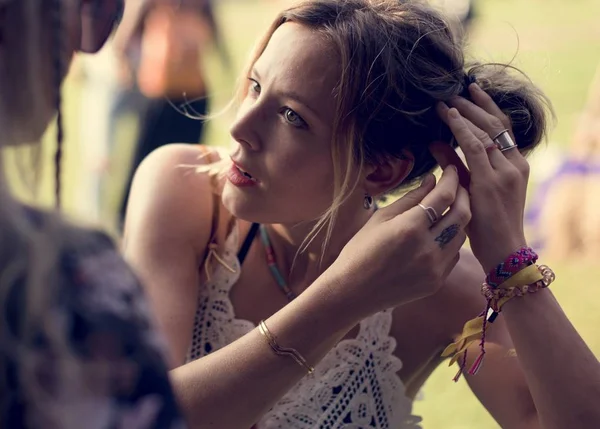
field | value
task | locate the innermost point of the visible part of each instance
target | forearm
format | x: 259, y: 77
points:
x: 235, y: 386
x: 562, y: 373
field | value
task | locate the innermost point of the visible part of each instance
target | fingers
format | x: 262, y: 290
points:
x: 472, y: 147
x: 449, y: 234
x: 454, y: 221
x: 484, y: 113
x: 485, y: 102
x: 445, y: 155
x: 480, y: 117
x: 439, y: 199
x: 410, y: 199
x: 459, y: 214
x: 497, y: 159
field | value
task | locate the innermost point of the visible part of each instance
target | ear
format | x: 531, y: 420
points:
x: 98, y: 19
x: 387, y: 174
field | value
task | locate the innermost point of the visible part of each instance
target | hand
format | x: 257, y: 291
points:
x: 498, y: 180
x: 400, y: 255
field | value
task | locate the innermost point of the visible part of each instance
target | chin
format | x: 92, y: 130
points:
x: 241, y: 204
x: 249, y: 205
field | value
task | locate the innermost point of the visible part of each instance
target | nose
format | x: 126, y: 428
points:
x: 245, y: 129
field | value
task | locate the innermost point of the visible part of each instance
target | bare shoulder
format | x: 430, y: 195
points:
x: 169, y: 196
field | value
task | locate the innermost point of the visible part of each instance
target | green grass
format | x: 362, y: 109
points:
x: 557, y: 42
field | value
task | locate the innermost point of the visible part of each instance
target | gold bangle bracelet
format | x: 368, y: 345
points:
x: 283, y: 351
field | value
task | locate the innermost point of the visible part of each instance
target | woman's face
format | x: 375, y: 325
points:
x: 283, y: 132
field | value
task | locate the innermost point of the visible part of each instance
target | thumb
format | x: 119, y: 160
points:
x: 412, y: 198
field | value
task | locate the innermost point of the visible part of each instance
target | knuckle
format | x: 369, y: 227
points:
x: 446, y: 197
x: 523, y: 167
x: 477, y: 148
x: 464, y: 216
x: 480, y: 134
x: 496, y: 123
x: 513, y: 176
x: 504, y: 120
x: 410, y: 234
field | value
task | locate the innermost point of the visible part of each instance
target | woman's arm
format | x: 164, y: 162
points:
x: 168, y: 221
x: 500, y: 385
x: 233, y: 387
x: 562, y: 373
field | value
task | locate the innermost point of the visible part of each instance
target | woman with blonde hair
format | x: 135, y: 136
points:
x: 343, y: 102
x: 77, y: 344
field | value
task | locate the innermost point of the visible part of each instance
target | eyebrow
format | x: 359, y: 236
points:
x: 292, y: 95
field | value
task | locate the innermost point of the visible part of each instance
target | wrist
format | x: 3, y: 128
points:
x: 500, y: 253
x: 340, y: 295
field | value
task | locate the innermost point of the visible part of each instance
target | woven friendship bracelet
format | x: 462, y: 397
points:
x: 511, y: 265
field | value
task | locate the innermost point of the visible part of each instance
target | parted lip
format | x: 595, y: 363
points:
x: 243, y: 168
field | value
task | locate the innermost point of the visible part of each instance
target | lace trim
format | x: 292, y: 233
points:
x: 355, y: 386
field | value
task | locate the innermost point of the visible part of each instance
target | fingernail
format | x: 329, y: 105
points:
x: 476, y: 87
x: 443, y: 106
x: 453, y: 113
x: 425, y: 180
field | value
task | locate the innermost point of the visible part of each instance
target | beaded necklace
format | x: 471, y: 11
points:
x: 272, y: 263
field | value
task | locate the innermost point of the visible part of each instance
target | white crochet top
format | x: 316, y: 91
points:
x: 355, y: 386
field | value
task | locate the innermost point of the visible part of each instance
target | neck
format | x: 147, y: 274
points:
x: 300, y: 269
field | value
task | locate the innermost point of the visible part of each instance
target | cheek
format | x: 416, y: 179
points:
x: 306, y: 171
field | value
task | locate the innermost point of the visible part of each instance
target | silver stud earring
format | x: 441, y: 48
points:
x: 368, y: 202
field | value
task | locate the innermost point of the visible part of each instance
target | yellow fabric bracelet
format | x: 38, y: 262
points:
x: 473, y: 329
x: 527, y: 276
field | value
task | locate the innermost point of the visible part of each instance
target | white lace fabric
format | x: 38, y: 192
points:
x: 355, y: 386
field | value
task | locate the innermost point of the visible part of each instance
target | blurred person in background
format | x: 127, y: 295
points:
x: 77, y: 344
x: 168, y: 71
x: 102, y: 82
x: 343, y: 102
x: 565, y: 213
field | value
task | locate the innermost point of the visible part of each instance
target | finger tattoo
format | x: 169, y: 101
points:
x: 447, y: 235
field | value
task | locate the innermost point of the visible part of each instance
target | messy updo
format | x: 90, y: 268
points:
x: 397, y: 60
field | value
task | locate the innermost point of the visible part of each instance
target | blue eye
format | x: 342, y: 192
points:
x: 293, y: 118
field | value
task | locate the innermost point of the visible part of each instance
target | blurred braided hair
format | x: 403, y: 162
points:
x: 31, y: 243
x: 58, y: 45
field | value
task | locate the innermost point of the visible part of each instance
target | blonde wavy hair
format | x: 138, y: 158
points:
x: 398, y: 59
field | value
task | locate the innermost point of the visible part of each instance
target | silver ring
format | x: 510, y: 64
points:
x: 431, y: 214
x: 504, y: 141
